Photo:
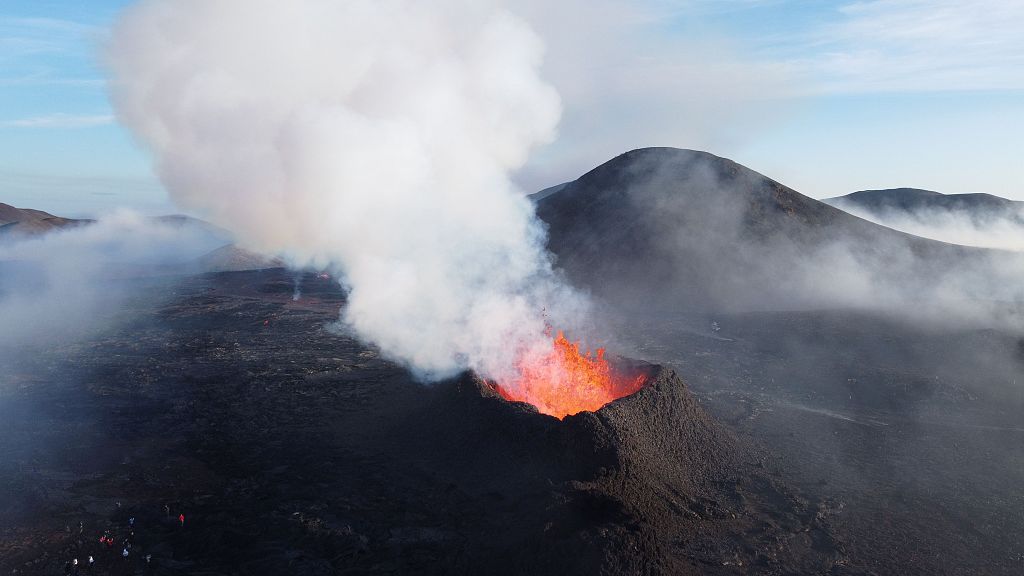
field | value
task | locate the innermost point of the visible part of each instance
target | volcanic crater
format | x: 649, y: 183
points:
x: 648, y: 484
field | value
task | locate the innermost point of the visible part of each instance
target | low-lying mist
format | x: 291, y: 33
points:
x: 998, y: 229
x: 72, y: 282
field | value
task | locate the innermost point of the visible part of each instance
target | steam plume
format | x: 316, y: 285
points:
x: 373, y: 136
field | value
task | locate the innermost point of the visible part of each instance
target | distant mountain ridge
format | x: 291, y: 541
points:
x: 25, y: 222
x: 978, y: 206
x: 16, y: 222
x: 981, y: 220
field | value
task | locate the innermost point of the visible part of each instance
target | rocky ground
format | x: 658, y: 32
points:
x: 915, y: 434
x: 292, y: 448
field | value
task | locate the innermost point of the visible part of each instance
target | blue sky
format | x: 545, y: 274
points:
x: 827, y: 97
x: 60, y: 149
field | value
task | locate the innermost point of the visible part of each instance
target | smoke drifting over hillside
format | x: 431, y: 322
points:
x: 70, y: 282
x: 706, y: 234
x: 374, y: 137
x: 1000, y: 229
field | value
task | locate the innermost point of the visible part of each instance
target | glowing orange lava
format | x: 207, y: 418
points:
x: 564, y: 381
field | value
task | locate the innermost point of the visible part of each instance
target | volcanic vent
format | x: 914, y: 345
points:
x: 564, y: 381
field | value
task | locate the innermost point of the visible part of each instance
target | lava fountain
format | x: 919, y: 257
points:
x: 563, y: 381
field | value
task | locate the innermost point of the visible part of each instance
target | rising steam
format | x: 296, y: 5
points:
x: 372, y: 136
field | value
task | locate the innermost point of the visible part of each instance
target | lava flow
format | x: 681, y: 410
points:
x: 563, y: 381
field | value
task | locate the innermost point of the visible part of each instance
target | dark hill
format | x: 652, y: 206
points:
x: 538, y: 196
x: 191, y: 222
x: 978, y: 207
x: 233, y: 258
x: 670, y: 228
x: 26, y: 222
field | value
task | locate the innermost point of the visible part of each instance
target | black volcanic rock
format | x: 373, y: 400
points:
x: 649, y: 484
x: 293, y: 449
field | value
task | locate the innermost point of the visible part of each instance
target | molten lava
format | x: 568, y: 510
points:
x: 563, y: 381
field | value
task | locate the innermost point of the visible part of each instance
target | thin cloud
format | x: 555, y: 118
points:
x: 629, y: 77
x: 40, y: 52
x: 48, y: 24
x: 913, y: 46
x: 27, y: 36
x: 60, y: 121
x: 45, y: 78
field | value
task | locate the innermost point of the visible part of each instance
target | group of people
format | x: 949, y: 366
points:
x: 75, y: 568
x: 72, y: 567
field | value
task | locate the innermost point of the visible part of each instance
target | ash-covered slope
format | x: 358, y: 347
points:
x: 18, y: 222
x: 680, y: 229
x: 194, y: 224
x: 233, y: 258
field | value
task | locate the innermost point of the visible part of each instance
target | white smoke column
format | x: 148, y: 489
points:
x: 375, y: 136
